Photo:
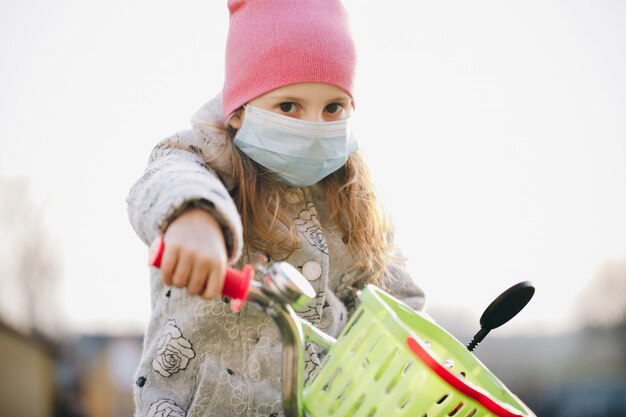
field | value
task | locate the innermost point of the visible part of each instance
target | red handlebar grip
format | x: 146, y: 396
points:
x: 236, y: 283
x: 155, y: 256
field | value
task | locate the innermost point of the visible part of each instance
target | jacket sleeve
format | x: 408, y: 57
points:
x: 396, y: 281
x: 399, y: 283
x: 178, y: 177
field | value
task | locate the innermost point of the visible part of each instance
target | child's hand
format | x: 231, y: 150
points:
x: 195, y: 254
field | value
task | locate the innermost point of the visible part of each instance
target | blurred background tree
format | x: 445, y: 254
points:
x: 603, y: 303
x: 30, y: 266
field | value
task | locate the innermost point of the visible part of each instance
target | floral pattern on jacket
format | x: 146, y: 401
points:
x: 173, y: 351
x: 165, y: 408
x: 309, y: 226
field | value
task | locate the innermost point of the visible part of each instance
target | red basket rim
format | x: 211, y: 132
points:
x: 481, y: 397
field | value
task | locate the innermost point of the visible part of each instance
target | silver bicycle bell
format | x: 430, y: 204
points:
x: 287, y: 284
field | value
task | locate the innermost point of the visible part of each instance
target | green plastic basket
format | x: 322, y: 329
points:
x: 392, y: 361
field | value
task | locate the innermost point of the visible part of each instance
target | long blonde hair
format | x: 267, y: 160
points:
x: 352, y: 203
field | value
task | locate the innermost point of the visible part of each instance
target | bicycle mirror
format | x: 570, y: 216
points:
x: 503, y: 309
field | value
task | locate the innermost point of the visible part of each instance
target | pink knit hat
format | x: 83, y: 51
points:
x: 273, y: 43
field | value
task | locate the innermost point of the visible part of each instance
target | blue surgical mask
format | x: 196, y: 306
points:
x: 299, y: 152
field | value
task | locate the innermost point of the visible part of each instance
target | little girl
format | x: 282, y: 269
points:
x: 270, y: 168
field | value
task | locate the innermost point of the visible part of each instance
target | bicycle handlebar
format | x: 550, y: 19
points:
x: 236, y: 283
x: 238, y: 286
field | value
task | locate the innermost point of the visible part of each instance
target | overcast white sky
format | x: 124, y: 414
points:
x: 496, y: 133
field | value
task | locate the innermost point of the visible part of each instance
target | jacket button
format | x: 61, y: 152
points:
x: 311, y: 270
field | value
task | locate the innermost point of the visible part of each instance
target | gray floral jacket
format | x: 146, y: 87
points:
x: 199, y: 358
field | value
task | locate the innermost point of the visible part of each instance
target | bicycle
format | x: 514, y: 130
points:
x: 407, y: 365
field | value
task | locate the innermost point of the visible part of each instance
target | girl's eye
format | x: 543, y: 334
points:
x: 288, y: 107
x: 333, y: 108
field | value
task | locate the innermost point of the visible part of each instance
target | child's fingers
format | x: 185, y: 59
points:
x: 199, y: 275
x: 216, y: 282
x: 168, y: 263
x: 183, y: 269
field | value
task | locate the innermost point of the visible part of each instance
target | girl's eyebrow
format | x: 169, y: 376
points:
x: 340, y: 99
x: 286, y: 98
